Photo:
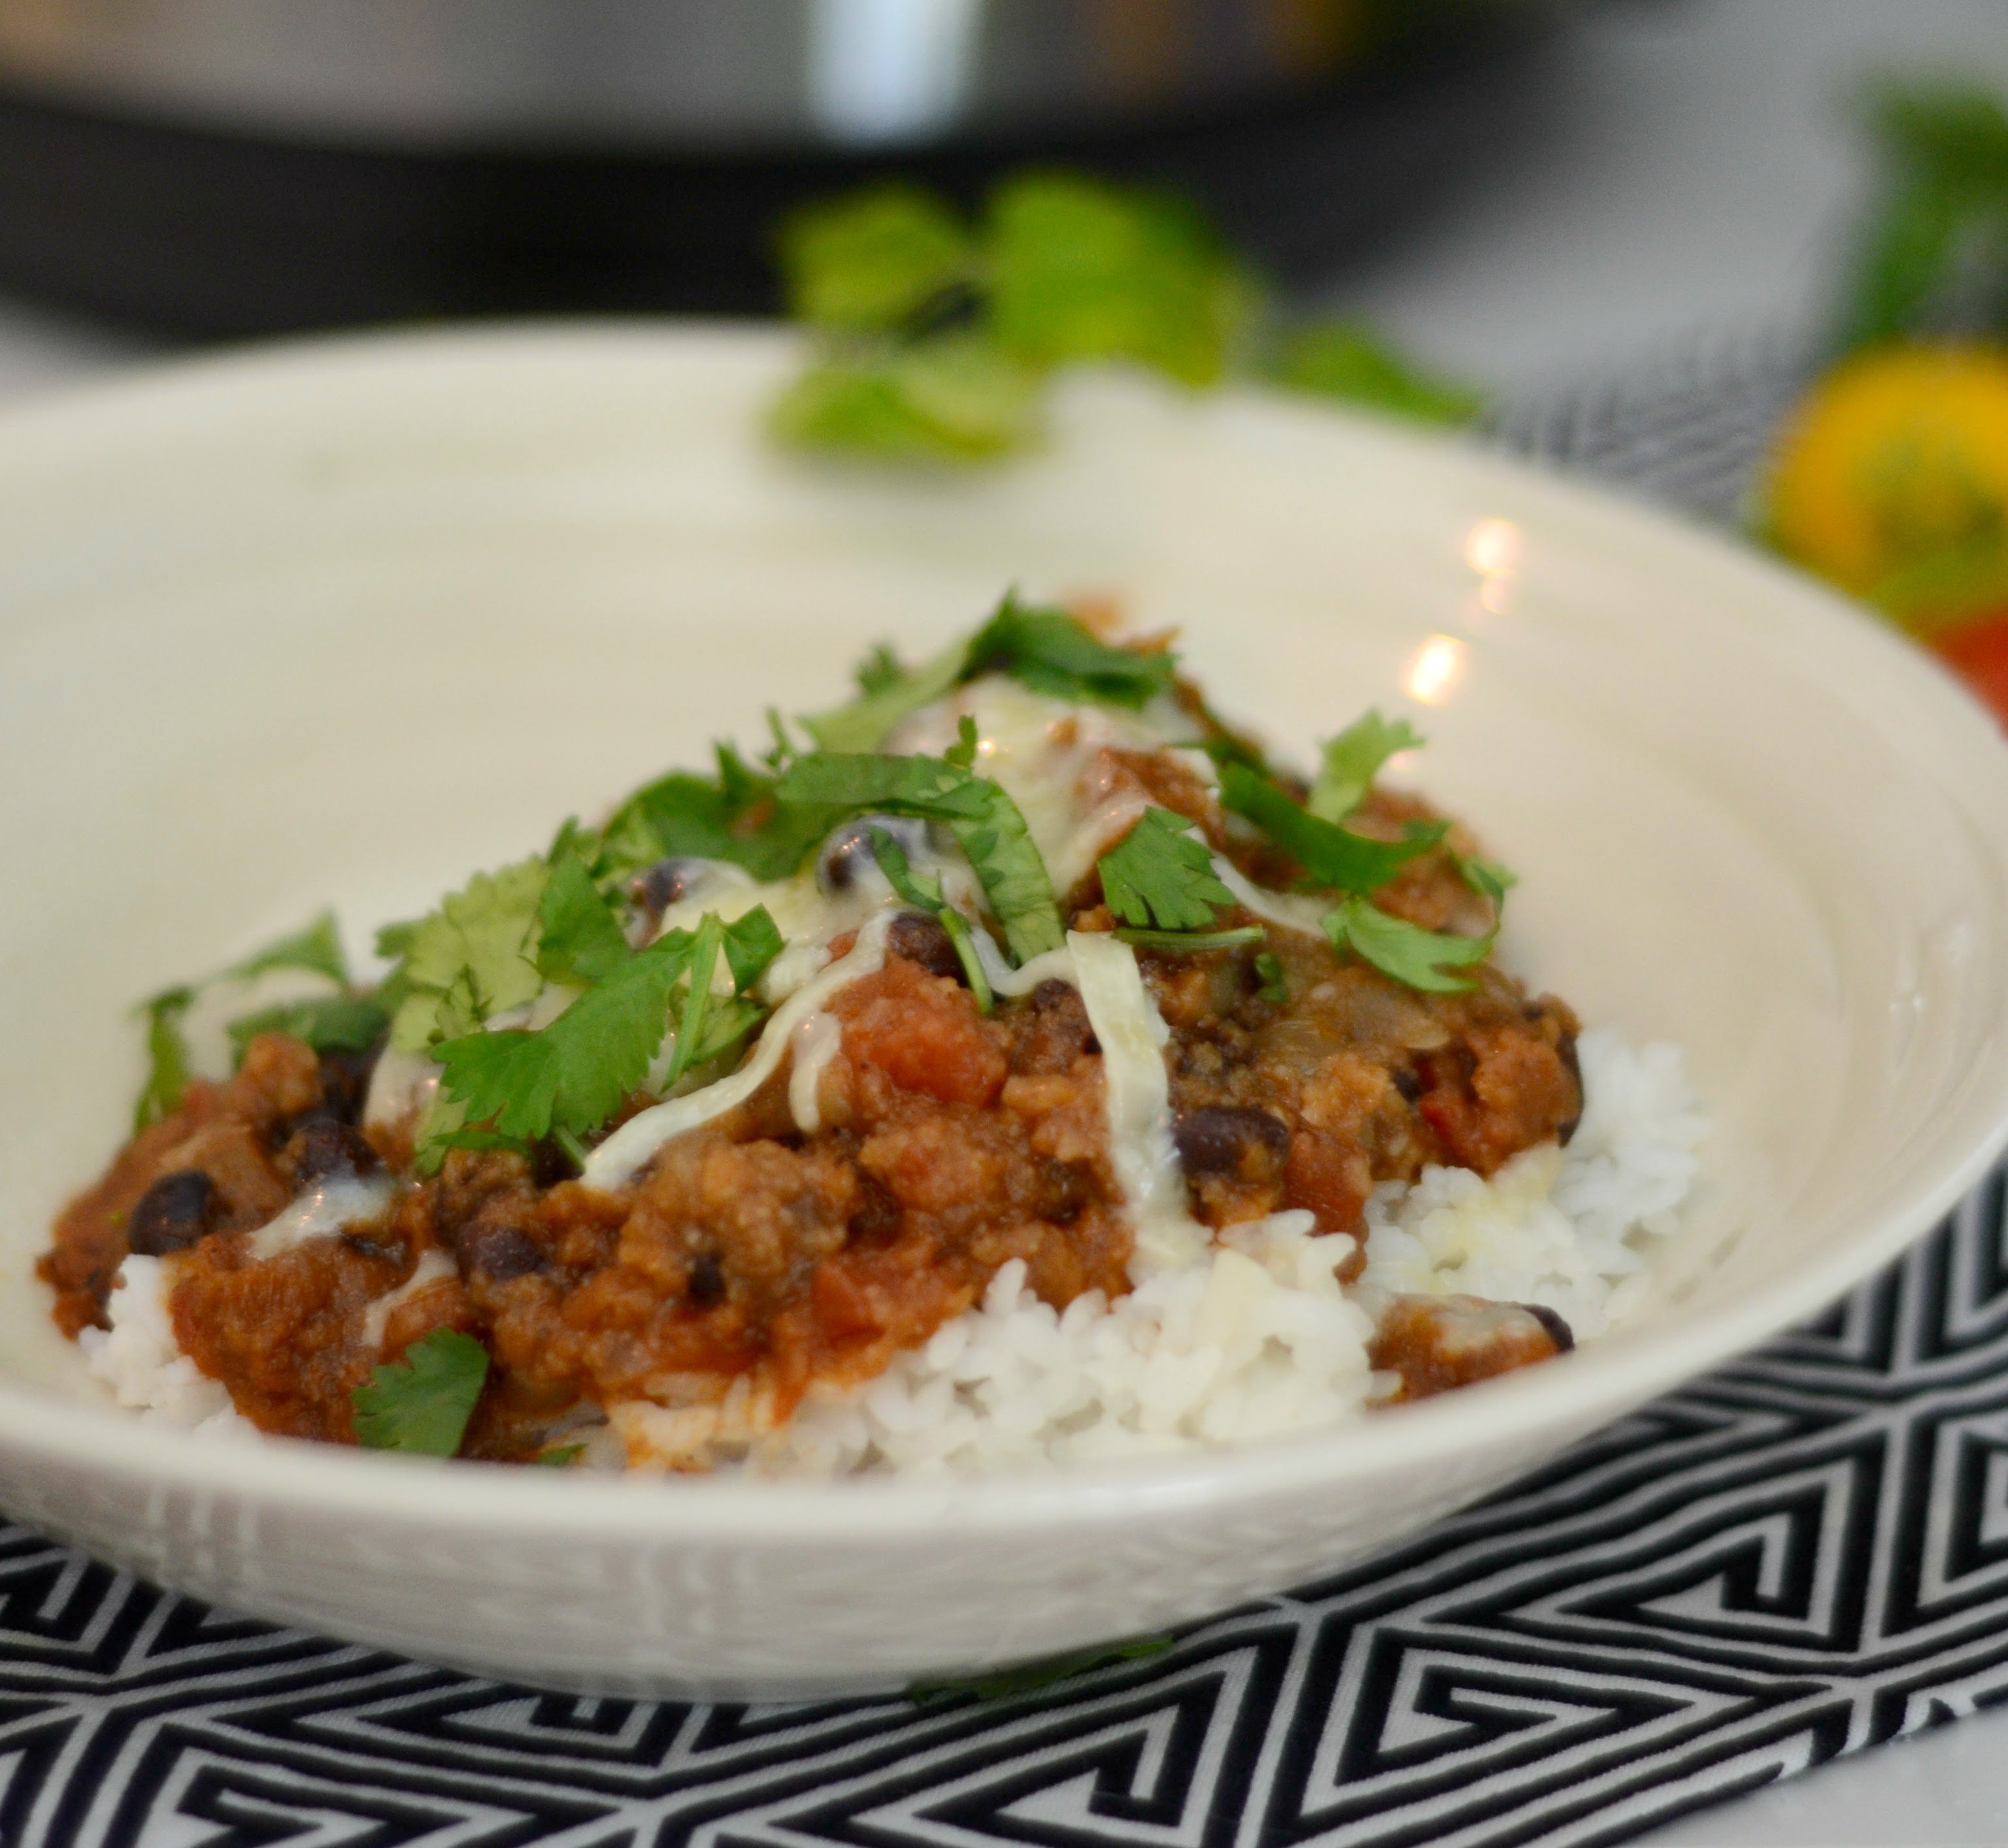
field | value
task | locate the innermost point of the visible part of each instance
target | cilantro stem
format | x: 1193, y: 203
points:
x: 957, y: 927
x: 1187, y: 941
x: 574, y: 1150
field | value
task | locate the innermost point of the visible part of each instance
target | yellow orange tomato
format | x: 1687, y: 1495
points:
x: 1891, y: 479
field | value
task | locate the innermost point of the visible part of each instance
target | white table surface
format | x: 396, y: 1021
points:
x: 1692, y: 168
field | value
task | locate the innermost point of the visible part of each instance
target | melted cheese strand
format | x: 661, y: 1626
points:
x: 631, y: 1147
x: 1295, y: 911
x: 1132, y: 1035
x: 817, y: 1040
x: 339, y: 1200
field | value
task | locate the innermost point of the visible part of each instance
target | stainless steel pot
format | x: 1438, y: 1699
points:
x: 714, y: 75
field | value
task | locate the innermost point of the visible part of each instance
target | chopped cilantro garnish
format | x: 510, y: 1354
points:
x: 563, y: 1457
x: 1275, y: 987
x: 1420, y: 958
x: 1487, y: 877
x: 1333, y: 857
x: 1353, y: 759
x: 580, y: 941
x: 569, y: 1078
x: 315, y: 948
x: 1053, y: 653
x: 926, y: 895
x: 474, y: 958
x: 1048, y: 650
x: 878, y: 671
x: 167, y: 1058
x: 421, y: 1404
x: 983, y: 819
x: 327, y: 1023
x: 734, y: 816
x: 1030, y: 1677
x: 1160, y: 876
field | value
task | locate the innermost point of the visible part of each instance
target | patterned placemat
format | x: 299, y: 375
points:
x: 1802, y: 1555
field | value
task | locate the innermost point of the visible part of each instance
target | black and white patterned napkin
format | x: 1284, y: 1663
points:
x: 1802, y: 1555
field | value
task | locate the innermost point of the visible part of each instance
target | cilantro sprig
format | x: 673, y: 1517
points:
x: 1432, y: 961
x: 1048, y: 650
x: 934, y: 336
x: 567, y: 1079
x: 421, y: 1404
x: 1333, y: 857
x: 473, y: 958
x: 985, y: 821
x: 1159, y: 882
x: 1353, y: 759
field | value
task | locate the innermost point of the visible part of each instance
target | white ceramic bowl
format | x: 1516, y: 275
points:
x: 349, y: 621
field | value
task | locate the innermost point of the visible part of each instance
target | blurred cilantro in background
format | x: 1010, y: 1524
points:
x: 935, y: 336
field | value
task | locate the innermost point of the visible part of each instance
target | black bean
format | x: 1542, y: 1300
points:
x: 850, y: 852
x: 1408, y: 1083
x: 1558, y: 1331
x: 1566, y: 1048
x: 174, y: 1213
x: 344, y: 1080
x: 1223, y: 1140
x: 497, y: 1253
x: 707, y: 1281
x: 921, y: 939
x: 550, y: 1164
x: 659, y: 887
x: 323, y: 1145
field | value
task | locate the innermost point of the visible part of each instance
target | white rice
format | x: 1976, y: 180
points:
x: 1256, y: 1340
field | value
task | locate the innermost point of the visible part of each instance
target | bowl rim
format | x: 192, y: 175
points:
x: 76, y: 1435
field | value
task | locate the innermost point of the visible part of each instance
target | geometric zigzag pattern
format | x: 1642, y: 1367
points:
x: 1802, y: 1555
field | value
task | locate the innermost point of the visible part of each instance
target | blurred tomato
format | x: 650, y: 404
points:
x: 1978, y: 652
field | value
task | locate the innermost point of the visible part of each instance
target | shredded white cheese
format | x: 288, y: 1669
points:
x: 631, y: 1147
x: 817, y: 1040
x: 433, y: 1266
x: 324, y: 1210
x: 1138, y: 1093
x: 1293, y: 910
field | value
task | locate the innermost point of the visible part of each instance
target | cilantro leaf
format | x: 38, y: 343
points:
x: 878, y: 672
x: 1161, y: 874
x: 316, y: 947
x: 1275, y: 987
x: 984, y: 820
x: 1332, y: 856
x: 421, y: 1404
x: 1048, y: 650
x: 957, y: 397
x: 703, y: 961
x: 580, y: 941
x: 577, y: 1071
x: 1053, y: 653
x: 167, y: 1058
x: 327, y: 1023
x: 751, y: 942
x: 1417, y: 958
x: 734, y: 816
x: 894, y: 694
x: 1487, y: 877
x: 563, y: 1457
x: 873, y: 259
x: 1353, y: 759
x: 473, y: 958
x: 1081, y: 270
x: 1350, y: 363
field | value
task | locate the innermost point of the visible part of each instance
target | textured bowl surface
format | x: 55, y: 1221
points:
x: 345, y: 622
